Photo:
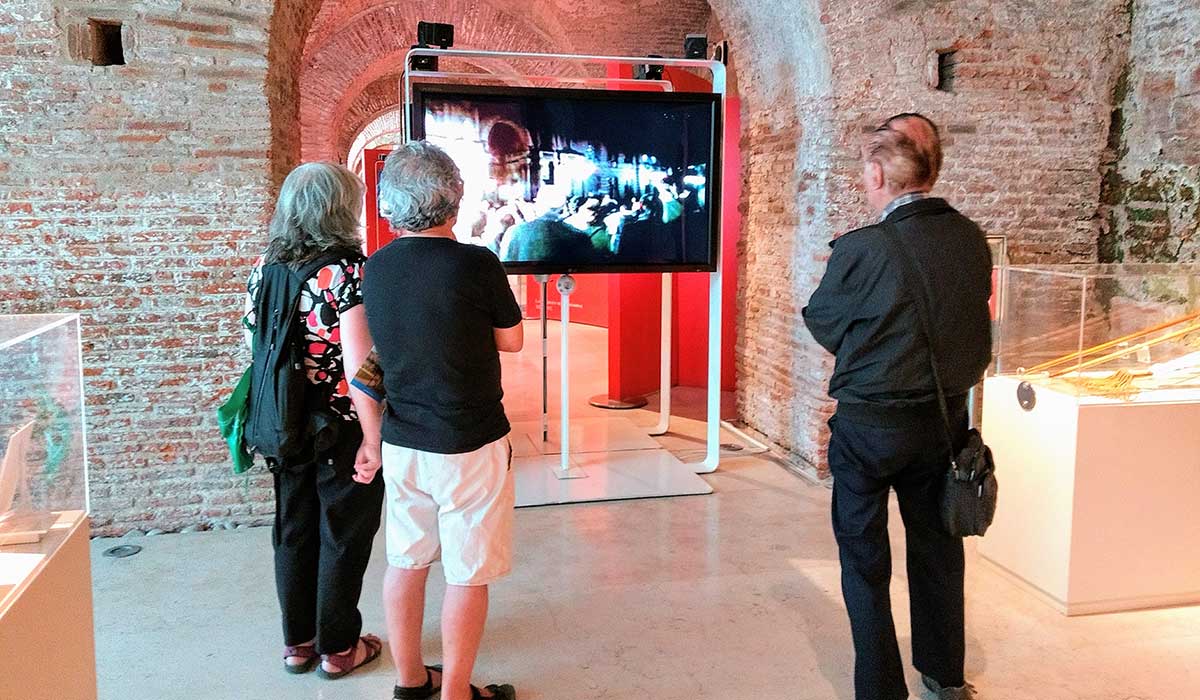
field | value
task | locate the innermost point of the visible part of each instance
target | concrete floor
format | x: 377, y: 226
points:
x: 731, y: 596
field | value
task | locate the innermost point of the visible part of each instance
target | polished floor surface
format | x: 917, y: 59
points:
x: 732, y: 596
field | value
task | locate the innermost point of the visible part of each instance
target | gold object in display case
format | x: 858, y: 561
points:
x: 1111, y: 331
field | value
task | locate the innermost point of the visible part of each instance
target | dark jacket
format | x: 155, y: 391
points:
x: 863, y: 313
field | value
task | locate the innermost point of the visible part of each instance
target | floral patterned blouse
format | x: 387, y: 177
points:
x: 335, y: 289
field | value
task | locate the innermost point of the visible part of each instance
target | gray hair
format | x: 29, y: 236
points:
x: 318, y: 209
x: 420, y: 187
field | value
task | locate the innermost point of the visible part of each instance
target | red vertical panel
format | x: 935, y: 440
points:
x: 379, y: 232
x: 634, y: 334
x: 690, y: 330
x: 635, y: 300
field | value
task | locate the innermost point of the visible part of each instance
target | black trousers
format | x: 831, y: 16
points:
x: 868, y: 461
x: 324, y: 525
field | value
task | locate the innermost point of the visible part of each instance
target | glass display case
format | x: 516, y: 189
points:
x: 1088, y: 414
x: 1102, y: 332
x: 43, y: 446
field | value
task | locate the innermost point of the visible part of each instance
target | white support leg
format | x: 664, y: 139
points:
x: 566, y: 284
x: 664, y: 379
x: 543, y: 282
x: 713, y: 442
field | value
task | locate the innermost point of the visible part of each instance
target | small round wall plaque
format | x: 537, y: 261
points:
x: 1026, y: 396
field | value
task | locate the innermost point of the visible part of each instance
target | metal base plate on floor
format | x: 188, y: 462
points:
x: 612, y: 476
x: 574, y: 471
x: 587, y: 435
x: 605, y: 401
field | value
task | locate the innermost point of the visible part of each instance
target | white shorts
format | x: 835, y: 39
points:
x: 458, y: 508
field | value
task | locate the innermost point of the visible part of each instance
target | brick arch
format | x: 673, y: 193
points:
x: 338, y: 14
x: 388, y: 123
x: 789, y: 138
x: 372, y: 93
x: 375, y: 44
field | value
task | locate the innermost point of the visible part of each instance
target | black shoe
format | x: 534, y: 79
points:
x: 498, y: 692
x: 420, y: 692
x: 964, y: 692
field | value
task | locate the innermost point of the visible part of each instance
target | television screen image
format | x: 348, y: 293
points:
x: 581, y: 180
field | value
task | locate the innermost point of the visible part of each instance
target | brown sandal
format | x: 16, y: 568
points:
x: 345, y: 662
x: 307, y: 652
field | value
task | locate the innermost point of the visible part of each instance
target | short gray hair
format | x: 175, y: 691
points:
x: 420, y: 187
x: 317, y: 211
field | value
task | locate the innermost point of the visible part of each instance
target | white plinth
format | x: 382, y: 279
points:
x: 1099, y: 506
x: 610, y: 476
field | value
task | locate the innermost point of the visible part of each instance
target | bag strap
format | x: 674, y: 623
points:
x: 921, y: 296
x: 307, y: 270
x: 301, y: 275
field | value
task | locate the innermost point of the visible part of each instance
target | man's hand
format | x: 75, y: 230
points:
x: 367, y: 462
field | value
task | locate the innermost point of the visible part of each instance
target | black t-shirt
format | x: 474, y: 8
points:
x: 432, y: 305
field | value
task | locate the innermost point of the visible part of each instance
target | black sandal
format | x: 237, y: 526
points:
x: 498, y: 692
x: 419, y: 692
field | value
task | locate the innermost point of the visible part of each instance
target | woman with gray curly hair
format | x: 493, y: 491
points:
x: 440, y: 311
x: 325, y: 516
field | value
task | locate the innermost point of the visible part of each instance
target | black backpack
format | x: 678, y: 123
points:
x: 281, y: 416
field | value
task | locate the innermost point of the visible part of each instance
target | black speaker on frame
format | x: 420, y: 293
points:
x: 695, y: 46
x: 435, y: 34
x: 648, y: 71
x: 423, y: 63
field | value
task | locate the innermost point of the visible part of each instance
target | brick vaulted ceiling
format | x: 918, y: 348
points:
x: 355, y: 49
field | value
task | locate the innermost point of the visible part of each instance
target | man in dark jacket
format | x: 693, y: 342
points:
x: 887, y: 431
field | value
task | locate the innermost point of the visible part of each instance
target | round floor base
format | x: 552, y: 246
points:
x: 605, y: 401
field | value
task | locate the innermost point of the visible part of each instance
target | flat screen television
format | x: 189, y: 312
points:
x: 559, y: 181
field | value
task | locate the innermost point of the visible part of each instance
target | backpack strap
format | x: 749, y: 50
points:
x: 310, y: 268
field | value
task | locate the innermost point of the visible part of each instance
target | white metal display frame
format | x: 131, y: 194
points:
x: 715, y: 288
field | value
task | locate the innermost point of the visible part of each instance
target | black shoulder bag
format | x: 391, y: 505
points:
x: 969, y: 493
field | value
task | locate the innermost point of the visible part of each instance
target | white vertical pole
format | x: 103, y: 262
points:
x: 712, y: 457
x: 664, y: 379
x: 713, y: 453
x: 564, y: 368
x: 544, y: 280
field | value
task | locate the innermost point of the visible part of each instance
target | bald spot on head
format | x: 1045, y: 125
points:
x: 924, y: 134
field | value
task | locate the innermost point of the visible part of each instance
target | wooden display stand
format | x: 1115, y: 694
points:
x: 1099, y: 507
x: 47, y: 643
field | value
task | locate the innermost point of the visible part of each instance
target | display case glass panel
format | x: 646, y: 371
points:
x: 43, y: 445
x: 1103, y: 332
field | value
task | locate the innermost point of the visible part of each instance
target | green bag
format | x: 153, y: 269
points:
x: 231, y: 417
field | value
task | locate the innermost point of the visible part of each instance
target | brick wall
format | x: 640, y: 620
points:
x: 340, y: 66
x: 1151, y: 202
x: 135, y: 195
x: 1025, y: 123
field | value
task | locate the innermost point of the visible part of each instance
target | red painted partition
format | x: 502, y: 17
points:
x: 379, y: 231
x: 635, y: 301
x: 690, y: 331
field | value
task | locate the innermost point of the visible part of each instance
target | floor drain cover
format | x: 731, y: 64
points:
x: 125, y: 550
x: 731, y: 447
